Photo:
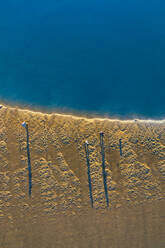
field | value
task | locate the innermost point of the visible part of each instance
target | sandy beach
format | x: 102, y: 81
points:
x: 59, y: 212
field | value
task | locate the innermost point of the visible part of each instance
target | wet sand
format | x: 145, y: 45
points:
x: 59, y: 212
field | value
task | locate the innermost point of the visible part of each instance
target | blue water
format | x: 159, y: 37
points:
x: 101, y: 56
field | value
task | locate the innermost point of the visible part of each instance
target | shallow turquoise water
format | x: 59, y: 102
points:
x: 96, y: 56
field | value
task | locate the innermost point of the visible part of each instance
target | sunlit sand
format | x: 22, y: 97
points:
x: 60, y: 206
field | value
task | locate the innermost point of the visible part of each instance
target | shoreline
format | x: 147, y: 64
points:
x: 132, y: 154
x: 87, y: 117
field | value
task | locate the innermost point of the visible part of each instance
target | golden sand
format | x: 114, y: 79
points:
x: 59, y: 213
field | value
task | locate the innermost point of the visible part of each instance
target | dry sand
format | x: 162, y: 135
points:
x: 59, y: 213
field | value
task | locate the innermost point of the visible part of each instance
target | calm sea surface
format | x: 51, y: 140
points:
x: 101, y: 56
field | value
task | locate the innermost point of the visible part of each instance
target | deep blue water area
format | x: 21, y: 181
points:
x: 94, y: 56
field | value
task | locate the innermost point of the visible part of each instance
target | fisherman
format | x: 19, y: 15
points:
x: 120, y: 145
x: 25, y: 125
x: 89, y: 173
x: 103, y: 167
